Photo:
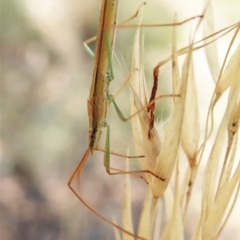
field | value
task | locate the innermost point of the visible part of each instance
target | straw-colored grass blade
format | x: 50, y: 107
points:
x: 228, y: 163
x: 213, y: 162
x: 145, y: 224
x: 209, y: 200
x: 127, y: 209
x: 168, y: 201
x: 158, y: 220
x: 229, y: 71
x: 175, y: 70
x: 174, y: 228
x: 190, y: 128
x: 218, y: 210
x: 172, y: 136
x: 225, y: 79
x: 140, y: 123
x: 210, y: 50
x: 233, y: 127
x: 229, y: 212
x: 234, y: 122
x: 185, y: 184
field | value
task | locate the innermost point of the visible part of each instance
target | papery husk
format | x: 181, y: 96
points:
x: 211, y: 49
x: 214, y: 208
x: 174, y: 228
x: 127, y: 209
x: 171, y: 141
x: 226, y: 79
x: 150, y: 148
x: 190, y: 128
x: 145, y: 225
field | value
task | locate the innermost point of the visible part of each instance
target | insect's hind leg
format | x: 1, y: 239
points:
x: 77, y: 173
x: 118, y: 172
x: 135, y: 173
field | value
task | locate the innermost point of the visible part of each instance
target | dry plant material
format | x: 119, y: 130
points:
x: 175, y: 222
x: 190, y: 127
x: 145, y: 226
x: 160, y: 156
x: 150, y: 148
x: 215, y: 202
x: 169, y: 152
x: 211, y: 50
x: 127, y: 209
x: 221, y: 180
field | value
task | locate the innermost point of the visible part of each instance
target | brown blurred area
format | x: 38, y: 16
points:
x: 45, y: 82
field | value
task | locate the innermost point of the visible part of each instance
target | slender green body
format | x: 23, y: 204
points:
x: 98, y: 98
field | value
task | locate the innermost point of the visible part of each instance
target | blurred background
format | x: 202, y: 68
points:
x: 45, y: 80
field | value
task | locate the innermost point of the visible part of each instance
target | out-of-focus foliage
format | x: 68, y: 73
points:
x: 45, y: 82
